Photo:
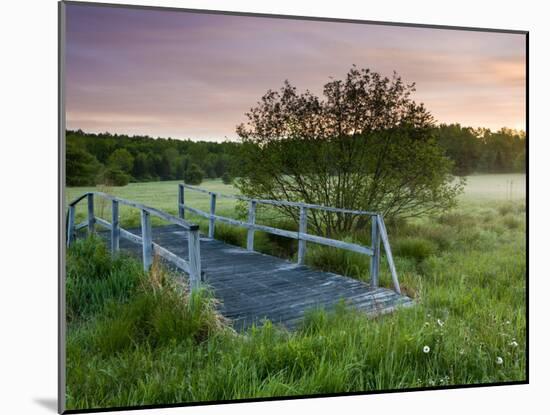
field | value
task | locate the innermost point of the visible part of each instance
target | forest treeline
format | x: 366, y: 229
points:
x: 118, y: 159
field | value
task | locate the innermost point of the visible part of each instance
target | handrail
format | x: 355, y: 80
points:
x: 191, y: 266
x: 154, y: 211
x: 282, y: 202
x: 378, y: 227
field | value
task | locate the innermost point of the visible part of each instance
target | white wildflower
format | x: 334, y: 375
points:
x: 441, y: 323
x: 499, y: 360
x: 514, y: 343
x: 426, y: 349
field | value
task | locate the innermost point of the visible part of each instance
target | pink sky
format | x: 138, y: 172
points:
x: 188, y: 75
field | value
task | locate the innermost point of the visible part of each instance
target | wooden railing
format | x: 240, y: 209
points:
x: 378, y: 229
x: 192, y: 266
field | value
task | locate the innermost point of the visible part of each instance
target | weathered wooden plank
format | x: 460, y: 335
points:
x: 181, y: 201
x: 115, y: 228
x: 285, y: 203
x: 375, y: 258
x: 197, y: 211
x: 212, y: 222
x: 78, y: 199
x: 194, y: 259
x: 130, y: 236
x: 251, y: 221
x: 91, y: 215
x: 389, y: 256
x: 289, y: 234
x: 81, y: 225
x: 147, y: 240
x: 152, y: 211
x: 170, y: 256
x: 71, y: 225
x: 103, y: 222
x: 302, y: 231
x: 251, y: 285
x: 338, y: 244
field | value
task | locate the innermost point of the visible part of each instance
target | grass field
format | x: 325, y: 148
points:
x: 480, y: 189
x: 135, y: 340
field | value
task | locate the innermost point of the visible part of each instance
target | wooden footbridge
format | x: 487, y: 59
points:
x: 251, y: 286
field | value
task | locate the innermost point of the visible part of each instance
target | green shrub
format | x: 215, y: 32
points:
x: 113, y: 176
x: 193, y: 175
x: 156, y: 317
x: 505, y: 209
x: 230, y: 234
x: 281, y: 246
x: 150, y: 310
x: 457, y: 220
x: 416, y: 248
x: 339, y: 261
x: 511, y: 222
x: 94, y: 277
x: 226, y: 178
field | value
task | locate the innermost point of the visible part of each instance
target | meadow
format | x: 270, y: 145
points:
x: 137, y: 339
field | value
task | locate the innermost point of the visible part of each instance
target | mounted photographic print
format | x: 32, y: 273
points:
x: 270, y: 207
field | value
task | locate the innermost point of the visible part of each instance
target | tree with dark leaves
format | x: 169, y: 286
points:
x: 365, y: 145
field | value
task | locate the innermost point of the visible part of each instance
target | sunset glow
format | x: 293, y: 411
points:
x: 189, y: 75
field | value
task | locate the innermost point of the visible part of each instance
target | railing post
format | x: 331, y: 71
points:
x: 70, y: 225
x: 389, y: 257
x: 91, y: 215
x: 194, y: 258
x: 147, y: 240
x: 375, y: 258
x: 252, y: 221
x: 115, y: 228
x: 181, y: 201
x: 212, y: 222
x: 302, y: 230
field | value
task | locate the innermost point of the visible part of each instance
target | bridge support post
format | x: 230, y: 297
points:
x: 212, y: 222
x: 181, y: 201
x: 70, y: 225
x: 375, y: 258
x: 147, y: 240
x: 115, y: 228
x: 302, y: 230
x: 385, y: 241
x: 252, y: 221
x: 194, y: 258
x: 91, y: 215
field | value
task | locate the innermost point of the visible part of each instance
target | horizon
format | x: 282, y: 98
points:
x: 237, y: 140
x: 185, y: 75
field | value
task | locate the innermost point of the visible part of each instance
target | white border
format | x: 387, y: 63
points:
x: 28, y: 163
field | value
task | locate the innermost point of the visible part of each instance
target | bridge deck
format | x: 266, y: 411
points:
x: 252, y: 286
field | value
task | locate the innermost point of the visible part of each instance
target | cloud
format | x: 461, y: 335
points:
x: 195, y: 75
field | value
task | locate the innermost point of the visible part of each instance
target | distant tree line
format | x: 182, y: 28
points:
x: 118, y: 159
x: 482, y: 151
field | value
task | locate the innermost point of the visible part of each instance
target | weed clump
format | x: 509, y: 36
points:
x: 415, y: 248
x: 230, y: 234
x: 95, y: 277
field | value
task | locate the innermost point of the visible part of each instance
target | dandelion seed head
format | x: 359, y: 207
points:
x: 426, y: 349
x: 499, y: 360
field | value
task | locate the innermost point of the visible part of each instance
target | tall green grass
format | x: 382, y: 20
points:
x: 140, y: 339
